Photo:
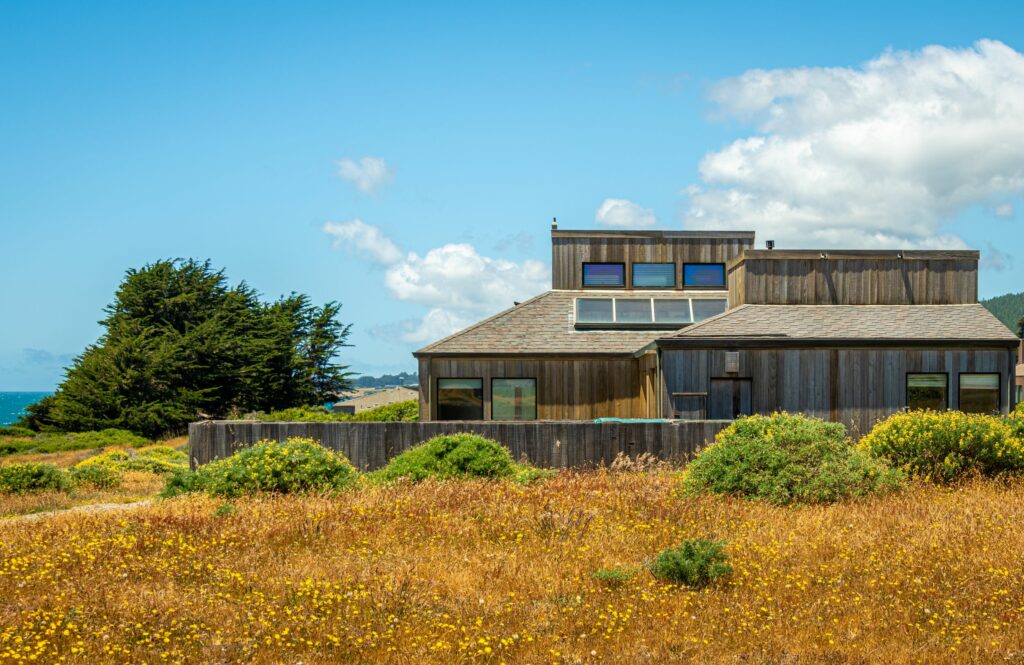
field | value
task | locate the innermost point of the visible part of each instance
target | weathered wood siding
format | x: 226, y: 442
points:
x: 567, y: 389
x: 856, y: 387
x: 917, y: 279
x: 546, y: 444
x: 569, y: 253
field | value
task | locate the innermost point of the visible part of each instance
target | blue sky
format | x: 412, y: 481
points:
x: 131, y: 132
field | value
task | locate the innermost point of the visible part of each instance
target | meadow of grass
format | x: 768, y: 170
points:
x: 498, y: 571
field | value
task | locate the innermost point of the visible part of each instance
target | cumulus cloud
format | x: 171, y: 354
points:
x: 881, y: 155
x: 454, y: 282
x: 365, y: 238
x: 1005, y: 211
x: 368, y: 174
x: 624, y: 214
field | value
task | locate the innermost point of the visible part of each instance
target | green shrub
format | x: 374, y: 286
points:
x: 182, y: 481
x: 14, y: 430
x: 944, y: 445
x: 296, y: 465
x: 50, y: 442
x: 155, y: 459
x: 695, y: 563
x: 9, y: 447
x: 785, y: 458
x: 614, y: 577
x: 399, y: 411
x: 98, y: 477
x: 456, y: 456
x: 20, y: 478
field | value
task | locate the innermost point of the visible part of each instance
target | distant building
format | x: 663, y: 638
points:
x: 371, y: 400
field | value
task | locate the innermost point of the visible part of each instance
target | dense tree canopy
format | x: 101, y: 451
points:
x: 180, y: 342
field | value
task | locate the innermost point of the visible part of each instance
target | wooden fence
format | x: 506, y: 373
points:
x: 559, y: 444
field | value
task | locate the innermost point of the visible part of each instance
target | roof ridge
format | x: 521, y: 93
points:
x: 494, y: 317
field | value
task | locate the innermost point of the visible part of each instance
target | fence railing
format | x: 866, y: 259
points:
x: 556, y: 444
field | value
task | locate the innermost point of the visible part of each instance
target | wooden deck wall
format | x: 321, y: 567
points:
x: 547, y: 444
x: 567, y: 389
x: 569, y: 252
x: 856, y: 387
x: 922, y: 278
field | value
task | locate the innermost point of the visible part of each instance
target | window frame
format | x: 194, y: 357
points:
x: 536, y: 400
x: 906, y: 387
x: 632, y: 275
x: 707, y: 287
x: 583, y: 275
x: 437, y: 397
x: 999, y: 389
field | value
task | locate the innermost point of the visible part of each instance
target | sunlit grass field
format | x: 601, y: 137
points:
x: 474, y: 571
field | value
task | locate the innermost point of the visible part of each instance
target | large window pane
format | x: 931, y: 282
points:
x: 979, y: 393
x: 704, y: 274
x: 654, y: 275
x: 604, y: 274
x: 671, y: 311
x: 460, y: 399
x: 706, y: 308
x: 594, y: 310
x: 927, y: 391
x: 513, y: 399
x: 633, y: 311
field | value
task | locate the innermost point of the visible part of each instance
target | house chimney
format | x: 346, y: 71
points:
x: 769, y: 244
x: 554, y: 223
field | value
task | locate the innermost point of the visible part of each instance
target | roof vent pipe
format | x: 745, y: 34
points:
x: 554, y: 223
x: 769, y: 244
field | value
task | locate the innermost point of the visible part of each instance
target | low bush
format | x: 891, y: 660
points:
x: 945, y: 445
x: 21, y: 478
x: 614, y: 577
x: 456, y: 456
x: 155, y: 459
x: 407, y: 411
x: 48, y: 442
x: 786, y: 458
x: 294, y: 466
x: 14, y: 430
x: 97, y: 477
x: 695, y: 563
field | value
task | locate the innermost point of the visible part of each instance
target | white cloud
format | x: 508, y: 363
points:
x: 456, y: 283
x: 624, y: 214
x: 365, y: 238
x: 1005, y: 211
x: 367, y: 175
x: 995, y: 259
x: 882, y: 155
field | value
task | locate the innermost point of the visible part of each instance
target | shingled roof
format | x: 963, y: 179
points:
x: 544, y: 325
x: 874, y: 325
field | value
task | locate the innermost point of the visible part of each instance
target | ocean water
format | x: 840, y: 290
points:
x: 12, y: 405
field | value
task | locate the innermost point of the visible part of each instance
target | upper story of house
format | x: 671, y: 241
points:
x: 723, y: 264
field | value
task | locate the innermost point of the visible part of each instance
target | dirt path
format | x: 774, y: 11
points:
x: 88, y: 508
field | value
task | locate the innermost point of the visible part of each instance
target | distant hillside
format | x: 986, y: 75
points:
x: 1008, y: 308
x: 387, y: 381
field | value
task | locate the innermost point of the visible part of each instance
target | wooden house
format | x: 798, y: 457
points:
x: 699, y: 325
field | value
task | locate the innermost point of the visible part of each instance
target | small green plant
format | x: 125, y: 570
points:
x: 407, y: 411
x: 785, y: 458
x: 225, y: 510
x: 944, y: 445
x: 97, y: 477
x: 182, y: 481
x: 456, y: 456
x: 614, y: 577
x: 31, y: 477
x: 695, y: 563
x: 294, y: 466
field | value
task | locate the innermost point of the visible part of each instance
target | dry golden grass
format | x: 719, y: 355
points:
x: 495, y: 572
x: 135, y: 486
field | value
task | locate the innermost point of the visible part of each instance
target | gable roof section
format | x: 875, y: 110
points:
x: 846, y: 325
x: 544, y: 325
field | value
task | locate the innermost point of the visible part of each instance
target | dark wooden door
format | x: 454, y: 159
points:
x: 730, y: 398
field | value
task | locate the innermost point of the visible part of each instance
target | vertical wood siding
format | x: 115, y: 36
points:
x: 567, y: 389
x: 856, y: 387
x: 546, y: 444
x: 871, y: 281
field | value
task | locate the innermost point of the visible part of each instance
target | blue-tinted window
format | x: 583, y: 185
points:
x: 604, y: 274
x: 704, y: 274
x: 653, y: 275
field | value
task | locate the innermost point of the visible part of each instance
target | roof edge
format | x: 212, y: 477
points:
x: 604, y: 233
x: 768, y: 342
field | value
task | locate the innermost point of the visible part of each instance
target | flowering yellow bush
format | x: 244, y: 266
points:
x: 943, y: 445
